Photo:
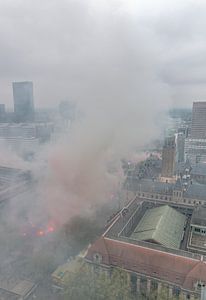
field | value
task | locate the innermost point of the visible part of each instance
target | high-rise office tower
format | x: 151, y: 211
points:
x: 168, y: 157
x: 198, y: 130
x: 180, y: 147
x: 2, y: 113
x: 23, y: 101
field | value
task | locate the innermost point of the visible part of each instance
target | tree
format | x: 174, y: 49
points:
x: 93, y: 284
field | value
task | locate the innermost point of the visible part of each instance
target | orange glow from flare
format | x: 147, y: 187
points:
x: 40, y: 233
x: 50, y: 229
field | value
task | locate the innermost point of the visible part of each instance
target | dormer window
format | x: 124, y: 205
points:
x: 97, y: 258
x: 199, y: 285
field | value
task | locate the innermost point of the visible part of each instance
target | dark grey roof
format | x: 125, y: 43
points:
x: 196, y: 191
x: 199, y: 169
x: 181, y: 167
x: 199, y: 216
x: 178, y: 185
x: 151, y: 186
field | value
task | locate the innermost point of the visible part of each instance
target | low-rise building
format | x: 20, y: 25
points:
x: 197, y: 240
x: 198, y: 173
x: 143, y: 241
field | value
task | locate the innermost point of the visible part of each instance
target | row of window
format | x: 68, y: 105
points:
x: 200, y: 230
x: 155, y: 197
x: 143, y: 287
x: 170, y: 199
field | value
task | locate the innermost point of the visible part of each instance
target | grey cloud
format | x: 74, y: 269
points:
x: 73, y: 48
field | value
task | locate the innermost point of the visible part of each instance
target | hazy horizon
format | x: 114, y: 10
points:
x: 71, y: 50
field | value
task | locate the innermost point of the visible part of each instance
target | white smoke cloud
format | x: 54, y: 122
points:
x: 106, y: 59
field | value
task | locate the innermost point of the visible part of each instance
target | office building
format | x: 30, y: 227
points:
x: 180, y: 142
x: 168, y: 158
x: 2, y: 113
x: 198, y: 130
x: 23, y: 101
x: 195, y: 150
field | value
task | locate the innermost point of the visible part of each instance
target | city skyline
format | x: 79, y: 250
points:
x: 171, y: 55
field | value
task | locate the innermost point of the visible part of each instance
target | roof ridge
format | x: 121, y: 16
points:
x: 197, y: 265
x: 166, y: 208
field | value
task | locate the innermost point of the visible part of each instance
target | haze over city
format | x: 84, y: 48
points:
x: 74, y: 49
x: 102, y: 150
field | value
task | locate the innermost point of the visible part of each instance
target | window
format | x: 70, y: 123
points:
x: 97, y: 258
x: 133, y: 282
x: 143, y: 286
x: 176, y: 291
x: 197, y: 229
x: 154, y: 285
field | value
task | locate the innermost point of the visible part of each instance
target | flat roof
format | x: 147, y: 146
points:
x: 199, y: 216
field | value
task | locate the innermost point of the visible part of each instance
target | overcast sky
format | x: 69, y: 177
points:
x: 74, y: 49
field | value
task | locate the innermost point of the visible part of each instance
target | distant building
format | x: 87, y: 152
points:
x: 24, y: 147
x: 23, y: 101
x: 13, y: 182
x: 2, y: 113
x: 198, y: 173
x: 197, y: 238
x: 168, y: 158
x: 67, y: 110
x: 198, y: 130
x: 180, y: 142
x: 184, y: 192
x: 195, y: 150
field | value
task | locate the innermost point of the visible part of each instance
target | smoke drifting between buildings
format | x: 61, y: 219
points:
x: 111, y: 71
x: 114, y: 79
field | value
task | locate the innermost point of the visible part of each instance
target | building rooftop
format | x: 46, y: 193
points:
x: 199, y: 216
x: 118, y: 248
x: 196, y: 191
x: 158, y: 225
x: 153, y: 186
x: 199, y: 169
x: 162, y: 265
x: 61, y: 274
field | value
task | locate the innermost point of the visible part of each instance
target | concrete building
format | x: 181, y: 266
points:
x: 198, y: 130
x: 168, y: 158
x: 180, y: 142
x: 2, y: 113
x: 183, y: 192
x: 23, y: 101
x: 142, y: 240
x: 24, y: 147
x: 195, y: 150
x: 41, y: 131
x: 198, y: 173
x: 197, y: 240
x: 13, y: 182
